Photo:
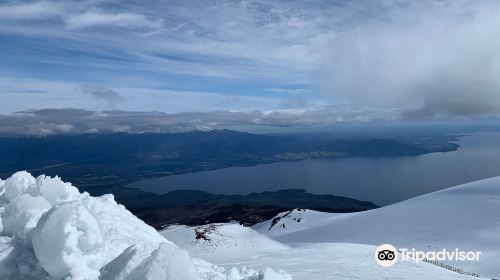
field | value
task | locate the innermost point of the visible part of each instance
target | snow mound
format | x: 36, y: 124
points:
x: 49, y: 230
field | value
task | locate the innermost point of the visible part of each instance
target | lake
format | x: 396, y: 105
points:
x: 382, y: 180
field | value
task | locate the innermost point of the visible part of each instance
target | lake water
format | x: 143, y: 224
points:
x: 381, y: 180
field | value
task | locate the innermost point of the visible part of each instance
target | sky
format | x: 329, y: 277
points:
x: 259, y: 62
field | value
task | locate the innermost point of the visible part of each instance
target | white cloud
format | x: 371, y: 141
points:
x: 29, y: 11
x: 95, y: 18
x: 77, y: 15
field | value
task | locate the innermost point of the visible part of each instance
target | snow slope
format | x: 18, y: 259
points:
x: 49, y: 230
x: 465, y: 217
x: 228, y: 245
x: 293, y: 221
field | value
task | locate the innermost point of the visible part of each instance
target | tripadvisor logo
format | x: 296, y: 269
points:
x: 386, y: 255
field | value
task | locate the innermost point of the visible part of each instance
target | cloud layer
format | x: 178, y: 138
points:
x: 76, y: 121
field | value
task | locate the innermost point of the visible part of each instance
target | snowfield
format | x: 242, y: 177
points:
x: 228, y: 245
x: 465, y: 217
x: 49, y: 230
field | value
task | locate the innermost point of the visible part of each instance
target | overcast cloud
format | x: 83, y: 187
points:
x: 441, y: 58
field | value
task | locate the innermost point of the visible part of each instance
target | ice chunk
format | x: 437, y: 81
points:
x: 22, y: 214
x: 68, y: 242
x: 121, y: 267
x: 166, y: 263
x: 2, y: 190
x: 209, y: 271
x: 3, y: 199
x: 55, y: 190
x: 251, y: 274
x: 121, y: 228
x: 270, y: 274
x: 18, y: 262
x: 20, y: 183
x: 2, y: 202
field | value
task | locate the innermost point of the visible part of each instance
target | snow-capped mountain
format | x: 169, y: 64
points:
x: 464, y: 217
x: 49, y: 230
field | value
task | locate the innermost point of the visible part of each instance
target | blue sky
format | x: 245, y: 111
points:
x: 421, y: 59
x: 160, y: 55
